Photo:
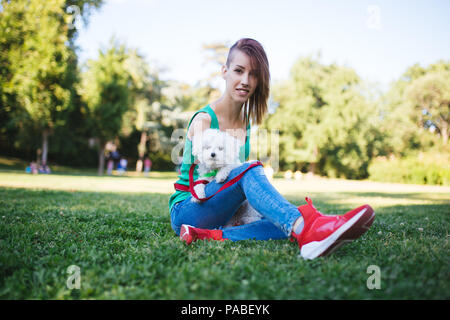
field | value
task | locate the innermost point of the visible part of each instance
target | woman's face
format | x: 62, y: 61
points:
x: 241, y: 80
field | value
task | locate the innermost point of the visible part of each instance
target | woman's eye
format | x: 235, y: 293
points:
x: 238, y: 70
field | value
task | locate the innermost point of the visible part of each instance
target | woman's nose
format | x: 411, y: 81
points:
x: 244, y: 79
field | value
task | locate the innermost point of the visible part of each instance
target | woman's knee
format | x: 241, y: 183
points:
x: 244, y: 166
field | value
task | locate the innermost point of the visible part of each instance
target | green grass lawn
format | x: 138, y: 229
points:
x: 117, y: 231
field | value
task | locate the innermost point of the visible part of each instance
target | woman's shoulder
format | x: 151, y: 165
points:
x: 202, y: 116
x: 201, y: 121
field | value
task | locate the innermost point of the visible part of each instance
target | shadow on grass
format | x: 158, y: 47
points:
x: 23, y: 202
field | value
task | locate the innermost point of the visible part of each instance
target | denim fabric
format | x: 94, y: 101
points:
x: 278, y: 214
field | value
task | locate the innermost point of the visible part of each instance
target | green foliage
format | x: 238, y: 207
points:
x: 37, y: 60
x: 145, y: 88
x: 329, y: 121
x: 105, y: 90
x: 325, y: 120
x: 416, y: 103
x: 429, y: 96
x: 419, y: 169
x: 161, y: 161
x: 37, y: 69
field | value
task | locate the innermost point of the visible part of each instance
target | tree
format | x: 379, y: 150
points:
x: 324, y: 120
x: 37, y: 66
x: 144, y: 89
x: 105, y: 89
x: 429, y: 96
x: 414, y: 105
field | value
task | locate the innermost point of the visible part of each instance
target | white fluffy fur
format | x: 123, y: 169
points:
x: 216, y: 149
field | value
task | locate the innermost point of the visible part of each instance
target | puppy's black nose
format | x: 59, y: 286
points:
x: 213, y: 154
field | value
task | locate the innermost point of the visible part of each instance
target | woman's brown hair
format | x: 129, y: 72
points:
x: 256, y: 106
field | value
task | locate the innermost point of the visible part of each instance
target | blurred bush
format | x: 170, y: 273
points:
x: 432, y: 169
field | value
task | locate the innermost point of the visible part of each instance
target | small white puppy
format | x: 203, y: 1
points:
x: 217, y: 150
x: 217, y: 153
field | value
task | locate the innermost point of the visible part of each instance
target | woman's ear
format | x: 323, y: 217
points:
x: 224, y: 70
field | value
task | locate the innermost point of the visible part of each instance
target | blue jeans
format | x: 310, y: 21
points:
x: 278, y: 214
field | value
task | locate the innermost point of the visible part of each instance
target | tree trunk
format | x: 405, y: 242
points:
x: 38, y: 155
x: 141, y: 146
x: 313, y: 167
x: 313, y: 164
x: 444, y: 132
x: 101, y: 158
x: 45, y: 135
x: 141, y: 151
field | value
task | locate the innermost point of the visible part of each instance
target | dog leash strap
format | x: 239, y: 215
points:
x: 182, y: 187
x: 225, y: 186
x: 192, y: 184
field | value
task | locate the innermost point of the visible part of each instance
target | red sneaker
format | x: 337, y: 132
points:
x: 322, y: 234
x: 190, y: 234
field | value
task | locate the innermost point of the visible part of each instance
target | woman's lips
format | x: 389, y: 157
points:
x: 242, y: 92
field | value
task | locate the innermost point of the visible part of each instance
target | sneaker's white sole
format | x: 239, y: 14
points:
x: 314, y: 249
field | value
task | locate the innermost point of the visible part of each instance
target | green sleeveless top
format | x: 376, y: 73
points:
x: 188, y: 158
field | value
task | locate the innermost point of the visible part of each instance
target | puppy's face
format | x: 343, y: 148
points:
x: 215, y: 148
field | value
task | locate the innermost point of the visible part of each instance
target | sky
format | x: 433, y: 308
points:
x: 378, y: 39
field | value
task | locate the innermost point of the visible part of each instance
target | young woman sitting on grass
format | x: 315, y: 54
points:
x: 247, y: 77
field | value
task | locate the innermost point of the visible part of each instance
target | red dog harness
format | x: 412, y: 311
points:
x: 190, y: 188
